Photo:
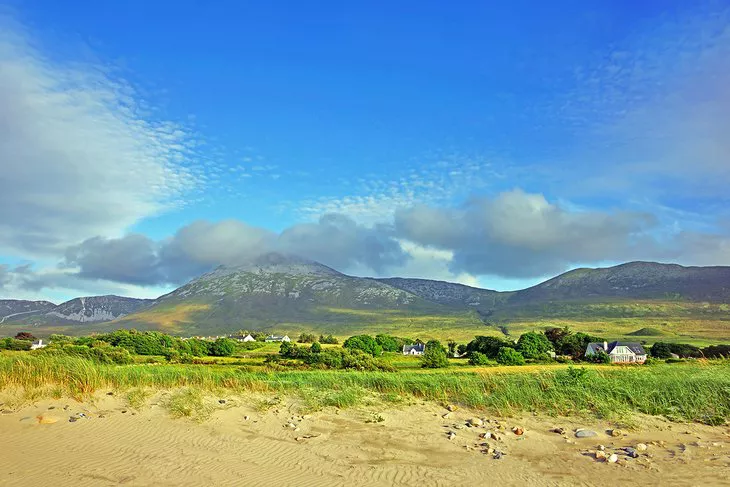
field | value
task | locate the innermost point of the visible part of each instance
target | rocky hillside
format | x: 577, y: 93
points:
x: 634, y: 280
x: 449, y: 293
x: 92, y: 309
x: 12, y: 308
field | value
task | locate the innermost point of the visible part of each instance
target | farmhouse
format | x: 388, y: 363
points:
x: 274, y: 338
x: 620, y: 352
x: 241, y: 338
x: 415, y: 349
x: 38, y: 344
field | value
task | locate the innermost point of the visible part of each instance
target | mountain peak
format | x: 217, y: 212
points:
x: 274, y: 263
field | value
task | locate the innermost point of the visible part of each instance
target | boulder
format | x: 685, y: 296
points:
x: 584, y: 433
x: 518, y: 431
x: 613, y: 458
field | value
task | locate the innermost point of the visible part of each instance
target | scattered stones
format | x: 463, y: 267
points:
x: 584, y: 433
x: 290, y: 425
x: 498, y: 454
x: 559, y: 431
x: 451, y: 408
x: 613, y: 458
x: 518, y: 431
x: 600, y: 455
x: 601, y: 447
x: 486, y: 435
x: 616, y: 432
x: 631, y: 452
x: 474, y: 422
x: 72, y: 419
x: 47, y: 419
x: 451, y: 435
x: 641, y: 447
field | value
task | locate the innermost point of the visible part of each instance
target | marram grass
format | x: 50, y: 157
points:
x: 697, y: 391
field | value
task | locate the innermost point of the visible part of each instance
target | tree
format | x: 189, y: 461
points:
x: 434, y: 357
x: 575, y: 345
x: 222, y: 347
x: 478, y: 358
x: 24, y: 335
x: 510, y: 356
x: 599, y: 358
x: 329, y: 339
x: 315, y: 348
x: 307, y: 338
x: 660, y: 350
x: 366, y: 343
x: 489, y: 346
x: 452, y: 347
x: 461, y: 349
x: 556, y: 336
x: 534, y: 345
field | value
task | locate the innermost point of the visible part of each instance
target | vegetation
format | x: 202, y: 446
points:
x: 534, y: 346
x: 434, y: 356
x: 478, y: 358
x: 307, y: 338
x: 683, y: 350
x: 366, y: 343
x: 694, y: 391
x: 329, y: 340
x: 14, y: 344
x: 509, y: 356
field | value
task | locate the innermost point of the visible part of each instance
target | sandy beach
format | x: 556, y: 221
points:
x: 106, y: 442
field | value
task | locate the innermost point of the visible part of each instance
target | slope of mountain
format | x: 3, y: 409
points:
x: 92, y: 309
x: 449, y: 293
x: 10, y: 308
x: 635, y: 281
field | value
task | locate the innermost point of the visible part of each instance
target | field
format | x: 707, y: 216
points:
x: 699, y: 391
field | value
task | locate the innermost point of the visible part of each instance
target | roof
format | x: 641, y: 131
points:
x: 596, y: 347
x: 418, y: 347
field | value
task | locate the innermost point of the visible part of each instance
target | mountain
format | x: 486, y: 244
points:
x: 276, y: 288
x: 281, y: 292
x: 634, y: 280
x: 10, y: 308
x: 92, y: 309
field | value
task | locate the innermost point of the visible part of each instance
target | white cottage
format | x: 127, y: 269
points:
x: 38, y: 344
x: 415, y: 349
x: 619, y: 352
x: 274, y: 338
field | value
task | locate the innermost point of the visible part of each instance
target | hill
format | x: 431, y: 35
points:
x: 15, y: 308
x: 91, y: 309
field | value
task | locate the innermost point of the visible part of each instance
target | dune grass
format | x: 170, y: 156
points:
x: 698, y: 391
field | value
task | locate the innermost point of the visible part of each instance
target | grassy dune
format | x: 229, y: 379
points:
x: 690, y: 392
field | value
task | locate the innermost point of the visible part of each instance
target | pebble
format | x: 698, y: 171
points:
x: 446, y: 416
x: 451, y: 435
x: 582, y: 433
x: 631, y: 452
x: 221, y: 401
x: 246, y: 418
x: 601, y: 447
x: 613, y: 458
x: 290, y: 425
x: 616, y: 433
x: 559, y: 431
x: 518, y: 431
x: 600, y: 455
x: 73, y: 419
x: 498, y: 454
x: 641, y: 447
x: 474, y: 422
x: 451, y: 408
x: 459, y: 426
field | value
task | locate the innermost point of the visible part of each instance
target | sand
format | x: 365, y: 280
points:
x: 116, y: 445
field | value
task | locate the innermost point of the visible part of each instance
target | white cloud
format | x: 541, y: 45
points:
x: 80, y: 156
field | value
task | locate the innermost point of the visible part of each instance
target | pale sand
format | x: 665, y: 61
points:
x: 410, y: 447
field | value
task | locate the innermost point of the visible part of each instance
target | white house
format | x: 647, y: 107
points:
x: 249, y: 338
x: 415, y: 349
x: 619, y: 352
x: 274, y: 338
x: 38, y: 344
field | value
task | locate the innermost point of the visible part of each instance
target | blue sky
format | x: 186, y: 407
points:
x: 494, y: 145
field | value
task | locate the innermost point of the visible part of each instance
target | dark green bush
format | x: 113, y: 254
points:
x: 510, y: 356
x: 365, y: 343
x: 478, y: 358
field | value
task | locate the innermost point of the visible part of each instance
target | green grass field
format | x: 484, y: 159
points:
x: 694, y: 391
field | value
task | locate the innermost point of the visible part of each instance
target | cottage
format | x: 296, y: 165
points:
x: 415, y: 349
x: 274, y: 338
x: 241, y: 338
x: 38, y: 344
x: 619, y: 352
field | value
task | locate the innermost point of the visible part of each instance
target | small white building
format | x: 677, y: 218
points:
x: 619, y: 352
x: 249, y: 338
x: 274, y: 338
x: 38, y: 344
x: 415, y: 349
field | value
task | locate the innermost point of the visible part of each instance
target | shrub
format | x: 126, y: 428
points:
x: 660, y: 350
x: 434, y: 357
x: 510, y: 356
x: 222, y: 347
x: 489, y: 346
x: 329, y: 339
x: 534, y: 345
x: 392, y: 343
x: 717, y: 351
x: 307, y: 338
x: 478, y: 358
x: 599, y: 358
x: 365, y: 343
x: 24, y: 335
x: 14, y: 344
x: 315, y: 348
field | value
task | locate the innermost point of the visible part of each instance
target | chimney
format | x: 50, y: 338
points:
x: 605, y: 347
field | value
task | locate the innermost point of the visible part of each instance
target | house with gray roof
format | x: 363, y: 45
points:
x: 619, y: 352
x: 415, y: 349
